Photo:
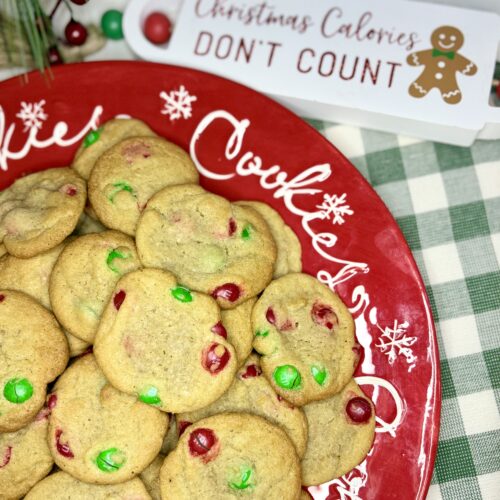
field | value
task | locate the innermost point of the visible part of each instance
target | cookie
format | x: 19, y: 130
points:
x: 306, y: 337
x: 24, y: 459
x: 87, y: 225
x: 38, y: 211
x: 238, y: 325
x: 252, y: 393
x: 211, y: 245
x: 151, y: 477
x: 98, y: 141
x: 98, y: 434
x: 230, y: 456
x: 33, y: 352
x: 62, y: 486
x: 130, y: 172
x: 84, y: 276
x: 31, y: 276
x: 163, y: 343
x: 289, y: 251
x: 341, y: 432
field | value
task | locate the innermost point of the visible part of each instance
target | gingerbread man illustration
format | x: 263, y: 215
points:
x: 441, y: 63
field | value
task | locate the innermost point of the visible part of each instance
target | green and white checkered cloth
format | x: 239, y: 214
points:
x: 446, y: 199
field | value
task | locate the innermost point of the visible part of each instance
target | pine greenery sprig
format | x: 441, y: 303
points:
x: 25, y: 34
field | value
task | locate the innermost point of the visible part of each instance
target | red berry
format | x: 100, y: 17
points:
x: 6, y: 457
x: 227, y: 291
x: 232, y: 226
x: 54, y: 56
x: 158, y: 28
x: 251, y: 371
x: 359, y: 410
x: 182, y: 426
x: 201, y: 441
x: 219, y: 329
x: 215, y: 358
x: 270, y: 316
x: 323, y: 315
x: 75, y: 33
x: 118, y: 299
x: 63, y: 448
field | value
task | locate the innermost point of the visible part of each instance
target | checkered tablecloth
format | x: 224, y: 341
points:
x: 446, y: 199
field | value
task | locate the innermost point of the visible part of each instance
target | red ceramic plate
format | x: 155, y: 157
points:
x: 248, y: 147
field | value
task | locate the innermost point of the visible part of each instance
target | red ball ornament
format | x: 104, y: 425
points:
x: 75, y: 33
x: 79, y: 2
x: 54, y: 56
x: 158, y: 28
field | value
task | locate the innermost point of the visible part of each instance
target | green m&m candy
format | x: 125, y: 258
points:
x: 110, y: 460
x: 150, y: 396
x: 92, y: 137
x: 319, y: 374
x: 120, y: 186
x: 115, y: 254
x: 18, y: 390
x: 182, y: 294
x: 287, y: 377
x: 247, y: 231
x: 243, y: 479
x: 263, y: 333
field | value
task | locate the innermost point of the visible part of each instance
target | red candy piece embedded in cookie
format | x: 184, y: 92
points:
x: 182, y: 425
x: 323, y: 315
x: 52, y: 401
x: 203, y: 443
x: 215, y: 358
x: 118, y: 299
x: 219, y: 329
x: 6, y: 457
x: 2, y: 297
x: 359, y: 410
x: 232, y: 226
x: 270, y: 316
x: 135, y: 149
x: 63, y: 448
x: 227, y: 291
x: 251, y: 371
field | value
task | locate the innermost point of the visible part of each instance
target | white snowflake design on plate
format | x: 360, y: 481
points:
x: 394, y: 342
x: 177, y: 103
x: 32, y: 114
x: 336, y: 206
x: 349, y: 485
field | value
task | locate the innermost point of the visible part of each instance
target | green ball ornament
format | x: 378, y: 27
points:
x: 18, y: 390
x: 111, y: 24
x: 287, y: 377
x: 110, y: 460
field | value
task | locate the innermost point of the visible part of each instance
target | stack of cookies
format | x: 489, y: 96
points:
x: 158, y: 341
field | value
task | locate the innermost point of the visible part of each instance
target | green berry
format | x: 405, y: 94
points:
x: 150, y: 396
x: 319, y: 374
x: 247, y: 231
x: 111, y: 24
x: 264, y: 333
x: 92, y: 137
x: 18, y: 390
x: 287, y: 377
x: 181, y: 294
x: 115, y: 254
x: 110, y: 460
x: 242, y: 480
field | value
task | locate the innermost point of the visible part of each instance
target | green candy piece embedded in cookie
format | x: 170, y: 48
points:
x: 18, y: 390
x: 150, y: 396
x: 115, y: 254
x: 258, y: 333
x: 182, y: 294
x: 120, y: 186
x: 242, y: 480
x: 110, y: 460
x: 247, y: 231
x: 287, y: 377
x: 92, y: 137
x: 319, y: 374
